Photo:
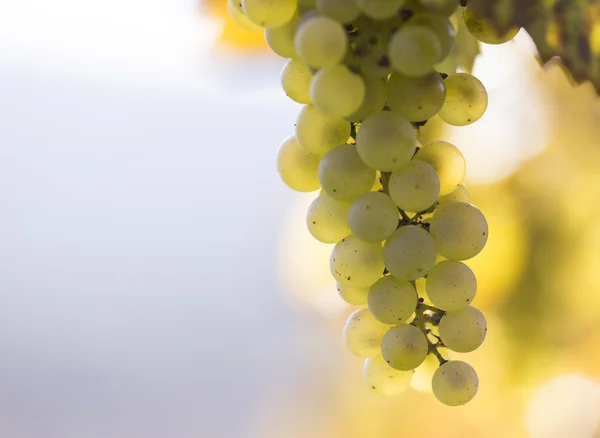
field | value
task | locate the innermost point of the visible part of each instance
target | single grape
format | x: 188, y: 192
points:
x: 383, y: 379
x: 357, y: 296
x: 363, y: 333
x: 414, y: 49
x: 343, y: 175
x: 386, y: 141
x: 451, y: 286
x: 356, y: 263
x: 344, y: 11
x: 404, y: 347
x: 414, y: 187
x: 463, y: 331
x: 485, y: 31
x: 337, y: 92
x: 416, y: 99
x: 327, y: 219
x: 237, y: 4
x: 455, y: 383
x: 409, y: 253
x: 466, y: 100
x: 295, y: 81
x: 374, y: 100
x: 460, y: 194
x: 270, y: 13
x: 234, y: 9
x: 391, y: 300
x: 441, y: 7
x: 443, y: 29
x: 459, y: 229
x: 380, y: 9
x: 298, y: 168
x: 448, y: 162
x: 373, y: 217
x: 319, y: 133
x: 321, y: 41
x: 281, y: 39
x: 370, y: 54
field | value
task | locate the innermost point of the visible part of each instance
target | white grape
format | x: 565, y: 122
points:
x: 374, y: 100
x: 485, y: 31
x: 409, y: 253
x: 357, y: 296
x: 237, y: 4
x: 281, y: 39
x: 383, y: 379
x: 460, y: 194
x: 327, y: 219
x: 295, y: 81
x: 343, y: 11
x: 298, y: 168
x: 336, y: 91
x: 356, y: 263
x: 404, y: 347
x: 319, y: 133
x: 363, y: 333
x: 417, y: 99
x: 321, y: 41
x: 441, y: 7
x: 466, y: 100
x: 386, y: 141
x: 380, y: 9
x: 442, y: 27
x: 463, y: 331
x: 451, y: 286
x: 234, y: 9
x: 415, y: 187
x: 455, y: 383
x: 270, y: 13
x: 448, y: 162
x: 414, y: 49
x: 391, y: 300
x: 373, y: 217
x: 343, y: 175
x: 459, y: 229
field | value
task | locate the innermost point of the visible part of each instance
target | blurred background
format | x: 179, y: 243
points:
x: 157, y: 279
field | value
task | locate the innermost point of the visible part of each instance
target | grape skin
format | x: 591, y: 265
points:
x: 404, y: 347
x: 319, y: 133
x: 281, y: 39
x: 363, y: 334
x: 383, y: 379
x: 373, y: 217
x: 415, y: 187
x: 455, y: 383
x: 298, y: 168
x: 356, y: 296
x: 321, y: 41
x: 460, y: 194
x: 448, y: 162
x: 463, y: 331
x: 417, y: 99
x: 270, y: 13
x: 327, y: 219
x: 485, y: 31
x: 343, y: 175
x: 356, y: 263
x: 295, y: 81
x: 392, y: 301
x: 409, y: 253
x: 414, y: 49
x: 466, y: 100
x: 337, y: 92
x: 451, y: 286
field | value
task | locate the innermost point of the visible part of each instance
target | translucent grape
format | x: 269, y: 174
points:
x: 386, y: 141
x: 441, y: 7
x: 237, y: 4
x: 363, y: 333
x: 459, y: 229
x: 404, y: 347
x: 343, y: 11
x: 295, y: 81
x: 327, y: 219
x: 321, y: 41
x: 270, y: 13
x: 392, y: 301
x: 371, y: 56
x: 337, y: 92
x: 443, y: 29
x: 466, y: 100
x: 380, y: 9
x: 413, y: 50
x: 383, y: 379
x: 448, y: 162
x: 373, y: 217
x: 455, y: 383
x: 319, y: 133
x: 484, y: 31
x: 460, y: 194
x: 281, y: 39
x: 463, y: 331
x: 415, y: 187
x: 357, y: 296
x: 451, y: 286
x: 343, y: 175
x: 374, y: 100
x: 409, y: 253
x: 356, y: 263
x: 298, y: 168
x: 234, y: 9
x: 416, y: 99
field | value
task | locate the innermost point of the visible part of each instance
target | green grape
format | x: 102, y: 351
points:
x: 460, y: 194
x: 380, y: 9
x: 237, y: 4
x: 413, y: 50
x: 373, y: 217
x: 270, y: 13
x: 298, y: 168
x: 417, y: 99
x: 321, y: 41
x: 392, y: 301
x: 281, y: 39
x: 386, y: 141
x: 356, y: 263
x: 463, y: 331
x: 370, y: 54
x: 344, y: 11
x: 441, y: 7
x: 327, y: 219
x: 383, y: 379
x: 234, y: 9
x: 443, y: 29
x: 295, y: 81
x: 459, y: 229
x: 448, y: 162
x: 404, y: 347
x: 337, y: 92
x: 363, y: 333
x: 409, y: 253
x: 484, y: 31
x: 319, y: 133
x: 455, y: 383
x: 466, y: 100
x: 374, y: 100
x: 451, y: 286
x: 415, y: 187
x: 343, y: 175
x: 357, y: 296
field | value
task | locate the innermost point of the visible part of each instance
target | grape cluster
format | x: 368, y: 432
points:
x: 396, y: 210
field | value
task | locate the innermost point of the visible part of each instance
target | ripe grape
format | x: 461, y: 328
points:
x: 234, y: 8
x: 337, y: 92
x: 343, y: 11
x: 466, y: 100
x: 441, y: 7
x: 414, y: 49
x: 414, y: 187
x: 485, y: 31
x: 327, y: 219
x: 319, y: 133
x: 392, y: 300
x: 448, y: 162
x: 356, y: 263
x: 460, y: 194
x: 281, y: 39
x: 270, y: 13
x: 373, y: 217
x: 442, y: 27
x: 383, y: 379
x: 321, y: 41
x: 363, y: 333
x: 409, y: 253
x: 357, y: 296
x: 297, y: 167
x: 455, y: 383
x: 451, y: 286
x: 374, y: 100
x: 343, y: 175
x: 416, y: 99
x: 295, y: 81
x: 404, y: 347
x: 380, y: 9
x: 463, y: 331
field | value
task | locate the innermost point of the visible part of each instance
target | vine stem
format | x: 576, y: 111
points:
x: 420, y: 324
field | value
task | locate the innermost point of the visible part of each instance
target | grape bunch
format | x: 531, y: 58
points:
x: 400, y: 220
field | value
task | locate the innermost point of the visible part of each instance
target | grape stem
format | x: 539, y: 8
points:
x: 419, y: 322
